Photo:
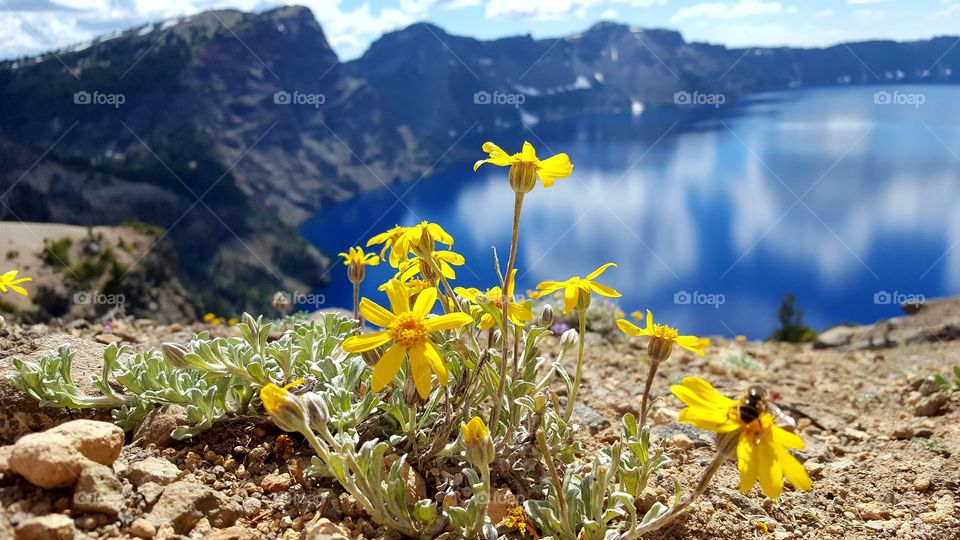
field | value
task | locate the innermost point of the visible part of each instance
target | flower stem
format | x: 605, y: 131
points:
x: 356, y: 306
x: 644, y: 407
x: 572, y: 398
x: 505, y: 301
x: 555, y: 478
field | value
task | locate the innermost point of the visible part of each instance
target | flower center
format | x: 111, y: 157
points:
x: 409, y: 330
x: 665, y: 332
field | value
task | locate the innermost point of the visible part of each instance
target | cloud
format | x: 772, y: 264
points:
x: 719, y: 10
x: 555, y: 9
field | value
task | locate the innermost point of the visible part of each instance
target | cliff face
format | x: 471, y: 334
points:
x: 226, y: 128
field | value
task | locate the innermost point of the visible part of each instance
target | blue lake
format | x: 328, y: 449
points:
x: 848, y: 200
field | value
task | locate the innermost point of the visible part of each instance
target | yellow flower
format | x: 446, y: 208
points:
x: 209, y: 317
x: 620, y: 314
x: 409, y: 330
x: 232, y: 321
x: 662, y: 338
x: 576, y: 290
x: 284, y: 408
x: 762, y: 446
x: 517, y: 520
x: 477, y: 443
x: 445, y: 260
x: 741, y: 339
x: 413, y: 286
x: 517, y: 312
x: 525, y: 167
x: 273, y: 396
x: 637, y: 315
x: 704, y: 343
x: 10, y: 281
x: 387, y: 238
x: 474, y: 430
x: 355, y: 255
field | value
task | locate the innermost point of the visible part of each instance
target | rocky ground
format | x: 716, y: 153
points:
x: 882, y: 447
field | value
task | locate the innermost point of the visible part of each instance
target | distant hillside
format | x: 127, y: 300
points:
x: 431, y: 78
x: 229, y: 129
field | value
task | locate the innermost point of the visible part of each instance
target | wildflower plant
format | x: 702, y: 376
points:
x: 450, y: 376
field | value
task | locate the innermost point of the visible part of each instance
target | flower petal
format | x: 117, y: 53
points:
x: 425, y: 301
x: 782, y: 437
x: 690, y: 343
x: 629, y: 328
x: 434, y: 355
x: 376, y: 313
x: 570, y: 296
x: 497, y: 156
x: 596, y: 273
x: 387, y: 367
x: 447, y: 321
x: 600, y: 288
x: 399, y: 297
x: 365, y: 342
x: 747, y: 463
x: 528, y: 154
x: 555, y: 167
x: 794, y: 470
x: 771, y: 474
x: 420, y: 371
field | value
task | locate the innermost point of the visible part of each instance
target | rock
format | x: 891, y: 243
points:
x: 942, y: 511
x: 681, y: 441
x: 98, y: 490
x: 54, y: 458
x: 49, y: 527
x: 141, y: 528
x: 5, y: 459
x: 814, y: 468
x: 922, y: 482
x: 588, y: 417
x: 231, y: 533
x: 871, y: 511
x: 107, y: 339
x: 153, y: 469
x: 252, y: 506
x: 184, y: 503
x: 837, y: 336
x: 47, y: 461
x: 931, y: 405
x: 157, y: 426
x: 416, y: 487
x: 276, y: 483
x: 150, y: 492
x: 324, y: 529
x: 98, y: 441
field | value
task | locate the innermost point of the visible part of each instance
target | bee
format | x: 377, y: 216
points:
x: 757, y: 402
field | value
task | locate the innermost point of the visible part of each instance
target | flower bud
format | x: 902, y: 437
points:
x: 569, y: 339
x: 250, y: 322
x: 523, y: 177
x: 539, y: 403
x: 285, y: 409
x: 545, y: 320
x: 659, y: 349
x: 428, y: 272
x: 477, y: 443
x: 411, y: 398
x: 497, y: 338
x: 176, y: 354
x: 583, y: 302
x: 316, y: 410
x: 356, y: 272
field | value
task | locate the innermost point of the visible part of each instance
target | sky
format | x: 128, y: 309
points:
x: 34, y: 26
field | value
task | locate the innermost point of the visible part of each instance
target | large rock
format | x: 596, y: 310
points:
x: 156, y: 470
x: 49, y: 527
x: 157, y: 426
x: 931, y: 321
x: 55, y: 458
x: 98, y: 490
x: 184, y: 503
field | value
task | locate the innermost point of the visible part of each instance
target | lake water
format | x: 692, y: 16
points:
x: 847, y: 198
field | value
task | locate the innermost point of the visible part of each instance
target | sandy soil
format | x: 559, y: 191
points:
x: 882, y: 467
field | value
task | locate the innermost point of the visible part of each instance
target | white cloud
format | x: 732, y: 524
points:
x: 554, y: 9
x: 823, y: 13
x: 720, y: 10
x: 864, y: 2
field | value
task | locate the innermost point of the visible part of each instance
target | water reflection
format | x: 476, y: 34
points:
x: 822, y: 193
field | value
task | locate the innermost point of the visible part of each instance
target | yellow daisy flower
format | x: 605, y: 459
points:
x: 409, y: 329
x: 525, y: 167
x: 637, y: 315
x: 577, y: 290
x: 420, y: 239
x: 445, y: 260
x: 518, y: 313
x: 762, y: 447
x: 355, y: 255
x: 662, y: 338
x: 387, y: 238
x: 10, y: 281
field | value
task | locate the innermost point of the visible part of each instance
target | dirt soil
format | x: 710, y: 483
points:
x: 882, y: 444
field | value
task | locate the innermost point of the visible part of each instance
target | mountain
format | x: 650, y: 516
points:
x: 443, y: 83
x: 226, y: 128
